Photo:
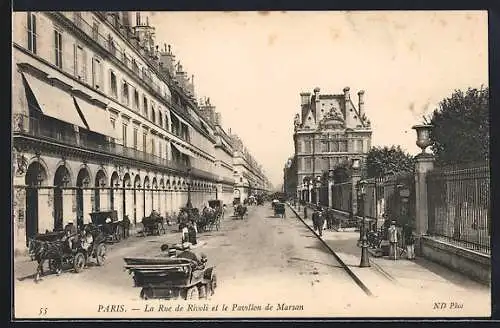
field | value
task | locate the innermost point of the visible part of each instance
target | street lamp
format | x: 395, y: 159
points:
x: 188, y: 204
x: 365, y: 261
x: 318, y: 186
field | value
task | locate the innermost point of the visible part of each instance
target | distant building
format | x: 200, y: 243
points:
x: 290, y: 177
x: 329, y: 132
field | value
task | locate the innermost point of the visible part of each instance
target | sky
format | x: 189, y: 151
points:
x: 253, y: 66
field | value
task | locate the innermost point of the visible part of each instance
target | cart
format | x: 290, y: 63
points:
x: 171, y: 278
x: 153, y: 225
x: 113, y: 232
x: 279, y: 210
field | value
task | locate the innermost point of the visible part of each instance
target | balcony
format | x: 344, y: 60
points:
x: 63, y: 133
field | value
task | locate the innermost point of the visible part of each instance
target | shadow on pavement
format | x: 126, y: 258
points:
x: 304, y: 260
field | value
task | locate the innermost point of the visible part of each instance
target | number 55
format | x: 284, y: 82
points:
x: 43, y: 311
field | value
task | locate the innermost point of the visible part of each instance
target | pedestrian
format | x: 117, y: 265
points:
x: 393, y: 240
x: 410, y: 241
x: 305, y: 212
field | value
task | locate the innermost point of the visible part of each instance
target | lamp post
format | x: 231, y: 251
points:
x: 188, y: 204
x: 318, y: 186
x: 365, y: 261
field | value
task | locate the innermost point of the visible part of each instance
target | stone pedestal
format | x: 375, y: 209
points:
x: 423, y: 164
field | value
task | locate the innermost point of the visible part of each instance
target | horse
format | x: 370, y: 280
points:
x: 40, y: 251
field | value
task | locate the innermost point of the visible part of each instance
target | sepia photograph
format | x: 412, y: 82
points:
x: 250, y: 164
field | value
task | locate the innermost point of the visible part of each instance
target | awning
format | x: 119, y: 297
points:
x: 184, y: 150
x: 97, y: 119
x: 54, y: 102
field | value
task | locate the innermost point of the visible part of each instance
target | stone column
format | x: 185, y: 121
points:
x: 355, y: 178
x: 45, y: 209
x: 19, y: 215
x: 87, y: 204
x: 161, y: 202
x: 147, y: 202
x: 104, y: 199
x: 424, y: 164
x: 69, y: 206
x: 119, y: 201
x: 129, y: 203
x: 139, y: 204
x: 330, y: 193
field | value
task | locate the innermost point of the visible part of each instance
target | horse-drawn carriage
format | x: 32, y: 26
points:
x: 154, y: 224
x: 55, y: 248
x: 113, y: 229
x: 279, y: 209
x: 240, y: 211
x: 172, y: 278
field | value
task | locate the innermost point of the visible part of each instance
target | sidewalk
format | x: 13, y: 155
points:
x: 419, y: 276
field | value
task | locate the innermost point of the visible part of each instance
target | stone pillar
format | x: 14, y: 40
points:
x: 161, y: 202
x: 87, y: 204
x: 139, y: 204
x: 355, y: 178
x: 330, y: 194
x: 19, y: 215
x: 104, y: 199
x: 424, y: 163
x: 129, y: 204
x: 45, y: 209
x: 69, y: 206
x: 147, y: 202
x: 118, y: 194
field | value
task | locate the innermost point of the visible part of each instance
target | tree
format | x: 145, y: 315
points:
x: 383, y: 160
x: 460, y: 132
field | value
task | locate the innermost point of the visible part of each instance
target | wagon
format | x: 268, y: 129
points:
x: 153, y: 225
x: 113, y: 232
x: 171, y: 278
x: 279, y: 209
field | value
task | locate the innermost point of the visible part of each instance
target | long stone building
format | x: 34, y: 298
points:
x: 329, y: 133
x: 104, y: 118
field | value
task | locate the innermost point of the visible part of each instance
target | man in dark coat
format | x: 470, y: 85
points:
x: 318, y: 221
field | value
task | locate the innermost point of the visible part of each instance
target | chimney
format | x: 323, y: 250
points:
x: 138, y: 18
x: 347, y: 96
x: 304, y: 98
x: 361, y: 103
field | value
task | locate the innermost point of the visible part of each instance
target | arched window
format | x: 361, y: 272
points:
x: 153, y: 114
x: 160, y: 118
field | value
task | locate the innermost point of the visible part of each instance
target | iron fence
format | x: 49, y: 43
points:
x: 342, y: 197
x: 459, y: 206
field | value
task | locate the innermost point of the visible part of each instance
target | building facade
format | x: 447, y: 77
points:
x: 329, y: 133
x: 103, y: 118
x: 290, y: 177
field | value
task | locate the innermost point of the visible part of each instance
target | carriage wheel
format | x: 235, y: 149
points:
x: 202, y: 292
x: 147, y: 293
x: 101, y: 254
x: 192, y: 293
x: 78, y: 262
x: 53, y: 266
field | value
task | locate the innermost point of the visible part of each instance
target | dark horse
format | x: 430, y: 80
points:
x: 40, y: 251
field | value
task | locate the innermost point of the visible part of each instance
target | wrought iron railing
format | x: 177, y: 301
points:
x: 39, y: 128
x: 342, y: 197
x: 459, y: 206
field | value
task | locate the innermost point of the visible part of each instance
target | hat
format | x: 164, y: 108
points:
x: 108, y: 220
x: 164, y: 247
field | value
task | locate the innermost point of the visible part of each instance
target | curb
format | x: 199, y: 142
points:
x: 346, y: 268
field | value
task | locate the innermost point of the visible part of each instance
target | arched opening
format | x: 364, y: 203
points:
x: 61, y: 180
x: 137, y: 186
x: 82, y: 181
x: 114, y: 185
x: 34, y: 178
x: 100, y: 182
